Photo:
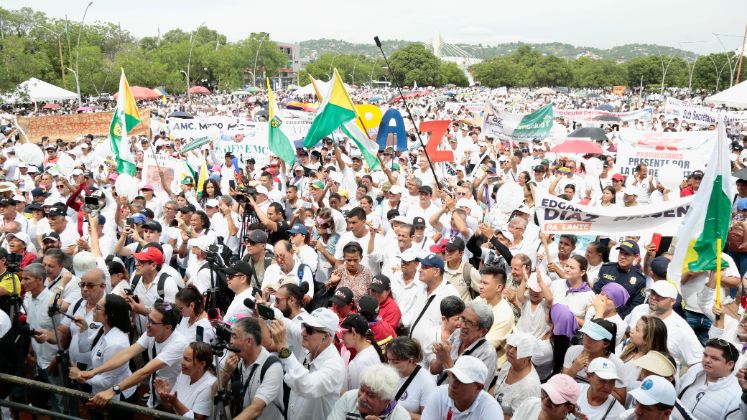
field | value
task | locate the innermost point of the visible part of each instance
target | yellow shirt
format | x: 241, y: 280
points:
x: 7, y: 281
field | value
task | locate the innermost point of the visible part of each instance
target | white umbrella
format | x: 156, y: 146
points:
x: 735, y: 96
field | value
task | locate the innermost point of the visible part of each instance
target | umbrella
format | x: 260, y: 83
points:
x: 201, y: 90
x: 609, y: 118
x: 605, y: 107
x: 140, y: 93
x: 51, y: 106
x: 299, y: 106
x: 593, y: 133
x: 545, y: 91
x: 578, y: 146
x: 181, y: 114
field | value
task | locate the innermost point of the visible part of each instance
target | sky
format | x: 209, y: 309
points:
x: 687, y: 24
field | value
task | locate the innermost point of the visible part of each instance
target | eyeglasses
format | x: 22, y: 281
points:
x: 467, y: 323
x: 88, y: 285
x: 152, y: 322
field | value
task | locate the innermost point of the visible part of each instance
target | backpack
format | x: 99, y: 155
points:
x: 237, y: 399
x: 159, y: 287
x: 219, y: 295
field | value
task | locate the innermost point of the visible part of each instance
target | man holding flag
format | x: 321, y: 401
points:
x: 124, y: 120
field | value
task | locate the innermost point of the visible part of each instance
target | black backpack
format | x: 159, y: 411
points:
x: 237, y: 400
x: 219, y: 295
x: 159, y: 287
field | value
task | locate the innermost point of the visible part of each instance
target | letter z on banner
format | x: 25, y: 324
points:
x: 559, y: 216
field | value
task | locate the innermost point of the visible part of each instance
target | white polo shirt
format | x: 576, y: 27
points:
x: 440, y: 405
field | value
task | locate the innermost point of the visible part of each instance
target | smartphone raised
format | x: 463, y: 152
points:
x: 265, y: 312
x: 656, y: 240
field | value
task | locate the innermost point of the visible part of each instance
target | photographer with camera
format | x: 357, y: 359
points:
x: 255, y: 376
x: 257, y: 256
x: 273, y: 218
x: 69, y: 333
x: 10, y: 285
x: 59, y: 278
x: 289, y: 300
x: 165, y: 348
x: 36, y: 303
x: 226, y: 222
x: 315, y: 389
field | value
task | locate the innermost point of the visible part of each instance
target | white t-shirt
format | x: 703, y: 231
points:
x: 511, y: 396
x: 416, y: 395
x: 530, y: 409
x: 611, y: 409
x: 198, y: 396
x: 190, y: 331
x: 575, y: 351
x: 170, y: 352
x: 361, y: 361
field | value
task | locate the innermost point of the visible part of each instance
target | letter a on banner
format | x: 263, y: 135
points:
x: 437, y: 129
x: 398, y: 131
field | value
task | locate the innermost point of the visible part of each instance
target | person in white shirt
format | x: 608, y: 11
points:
x: 192, y: 394
x: 357, y: 335
x: 113, y: 313
x: 654, y: 399
x: 238, y: 277
x: 416, y: 384
x: 374, y: 399
x: 305, y: 254
x: 463, y: 397
x: 518, y: 379
x: 595, y: 398
x: 406, y: 288
x: 558, y: 399
x: 313, y: 390
x: 287, y: 270
x: 164, y: 347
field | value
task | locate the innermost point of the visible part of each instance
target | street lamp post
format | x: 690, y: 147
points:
x: 59, y: 45
x: 731, y: 67
x: 355, y: 64
x: 663, y: 69
x: 256, y: 56
x: 77, y: 53
x: 332, y: 65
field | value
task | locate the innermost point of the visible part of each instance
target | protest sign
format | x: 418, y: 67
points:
x: 559, y: 216
x: 703, y: 115
x: 535, y: 125
x: 689, y: 150
x: 251, y: 143
x: 618, y: 90
x: 587, y: 115
x: 72, y: 126
x: 472, y: 107
x: 174, y: 169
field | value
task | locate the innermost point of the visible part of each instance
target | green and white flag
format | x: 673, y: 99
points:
x: 535, y: 125
x: 278, y: 142
x: 124, y: 119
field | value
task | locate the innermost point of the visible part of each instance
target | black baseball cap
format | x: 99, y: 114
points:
x: 51, y: 235
x: 425, y: 189
x: 368, y: 306
x: 418, y: 222
x: 455, y: 244
x: 189, y: 208
x: 380, y: 283
x: 39, y: 192
x: 240, y: 267
x: 56, y: 211
x: 343, y: 296
x: 153, y: 225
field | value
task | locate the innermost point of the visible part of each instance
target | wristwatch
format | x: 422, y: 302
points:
x: 284, y: 353
x: 116, y: 389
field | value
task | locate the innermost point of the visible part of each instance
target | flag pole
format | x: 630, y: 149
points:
x: 718, y: 274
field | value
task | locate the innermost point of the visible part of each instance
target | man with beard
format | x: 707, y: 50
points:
x: 289, y: 300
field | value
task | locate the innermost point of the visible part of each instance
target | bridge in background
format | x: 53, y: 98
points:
x: 454, y: 54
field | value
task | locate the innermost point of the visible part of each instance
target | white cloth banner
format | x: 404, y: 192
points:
x: 473, y: 107
x: 560, y: 216
x: 703, y: 115
x: 587, y: 115
x: 690, y: 150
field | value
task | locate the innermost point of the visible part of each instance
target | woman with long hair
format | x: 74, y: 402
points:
x: 358, y: 336
x: 195, y: 324
x: 211, y: 189
x: 406, y: 355
x: 193, y: 390
x: 648, y: 334
x: 551, y: 348
x: 575, y: 291
x: 114, y: 315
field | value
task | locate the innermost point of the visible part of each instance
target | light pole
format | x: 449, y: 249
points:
x: 332, y: 64
x: 256, y: 56
x: 731, y: 67
x: 355, y: 64
x: 77, y: 53
x: 690, y: 68
x: 663, y: 69
x: 186, y: 79
x: 59, y: 45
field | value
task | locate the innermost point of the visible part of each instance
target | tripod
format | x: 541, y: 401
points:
x: 248, y: 217
x: 222, y: 400
x: 63, y: 358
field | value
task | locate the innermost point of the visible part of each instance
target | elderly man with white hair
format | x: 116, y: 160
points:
x: 375, y: 398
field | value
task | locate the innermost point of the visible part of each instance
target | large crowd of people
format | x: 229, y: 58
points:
x: 327, y: 290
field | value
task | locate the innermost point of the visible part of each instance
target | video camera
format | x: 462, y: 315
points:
x: 243, y: 192
x: 222, y: 338
x: 92, y: 205
x: 13, y: 263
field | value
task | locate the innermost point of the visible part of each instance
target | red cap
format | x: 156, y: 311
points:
x: 151, y: 254
x: 618, y: 177
x: 440, y: 247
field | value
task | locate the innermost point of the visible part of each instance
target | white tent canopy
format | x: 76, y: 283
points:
x: 735, y: 96
x: 35, y: 90
x: 309, y: 89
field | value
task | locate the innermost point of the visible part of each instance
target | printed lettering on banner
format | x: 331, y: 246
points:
x: 689, y: 150
x: 559, y: 216
x: 681, y: 110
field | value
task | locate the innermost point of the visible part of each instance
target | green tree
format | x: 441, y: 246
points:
x: 452, y: 73
x: 19, y: 62
x: 415, y: 63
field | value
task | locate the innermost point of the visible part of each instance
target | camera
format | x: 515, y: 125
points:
x: 223, y: 332
x: 243, y: 192
x: 14, y: 263
x: 91, y: 206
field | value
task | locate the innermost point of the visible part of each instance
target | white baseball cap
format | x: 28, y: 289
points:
x: 409, y: 255
x: 202, y: 243
x: 324, y: 319
x: 21, y: 236
x: 212, y: 203
x: 533, y: 283
x: 261, y: 189
x: 630, y: 190
x: 665, y: 289
x: 604, y: 368
x: 396, y: 189
x: 469, y: 370
x: 524, y: 343
x: 655, y: 390
x: 400, y: 219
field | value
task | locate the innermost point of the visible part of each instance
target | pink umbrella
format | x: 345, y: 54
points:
x: 139, y: 93
x: 199, y: 90
x: 577, y: 146
x: 51, y: 106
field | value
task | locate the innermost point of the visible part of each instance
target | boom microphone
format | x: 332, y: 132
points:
x: 378, y: 42
x: 249, y: 303
x: 213, y: 314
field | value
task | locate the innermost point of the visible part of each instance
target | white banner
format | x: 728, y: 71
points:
x: 703, y: 115
x: 473, y: 107
x: 560, y: 216
x: 212, y: 127
x: 587, y: 115
x: 690, y: 150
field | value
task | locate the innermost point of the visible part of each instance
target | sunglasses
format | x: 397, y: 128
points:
x: 310, y: 330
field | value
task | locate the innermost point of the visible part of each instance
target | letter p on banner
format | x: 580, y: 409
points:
x: 437, y: 129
